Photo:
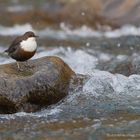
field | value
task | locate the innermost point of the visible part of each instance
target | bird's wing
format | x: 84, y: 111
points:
x: 14, y: 45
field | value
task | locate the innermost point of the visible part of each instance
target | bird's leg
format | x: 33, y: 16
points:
x: 18, y: 65
x: 19, y: 68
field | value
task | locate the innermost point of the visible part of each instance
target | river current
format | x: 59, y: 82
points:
x: 107, y: 106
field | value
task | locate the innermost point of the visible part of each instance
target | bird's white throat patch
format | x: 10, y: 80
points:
x: 29, y: 44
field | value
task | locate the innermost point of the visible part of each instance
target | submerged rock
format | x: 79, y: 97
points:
x: 30, y: 90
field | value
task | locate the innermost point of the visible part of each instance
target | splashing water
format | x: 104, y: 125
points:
x: 65, y: 32
x: 102, y: 94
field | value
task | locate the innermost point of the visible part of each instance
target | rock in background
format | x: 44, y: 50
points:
x: 93, y: 13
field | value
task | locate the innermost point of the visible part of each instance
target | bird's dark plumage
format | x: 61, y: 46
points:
x: 23, y: 47
x: 15, y: 43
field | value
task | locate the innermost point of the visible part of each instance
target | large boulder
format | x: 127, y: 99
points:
x: 33, y: 88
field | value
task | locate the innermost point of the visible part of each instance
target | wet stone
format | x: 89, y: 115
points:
x: 33, y: 88
x: 125, y: 67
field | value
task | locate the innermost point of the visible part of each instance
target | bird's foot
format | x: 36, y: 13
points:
x: 20, y: 69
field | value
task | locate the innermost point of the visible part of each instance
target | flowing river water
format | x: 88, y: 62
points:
x: 106, y: 106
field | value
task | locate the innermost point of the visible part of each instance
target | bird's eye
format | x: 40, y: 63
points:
x: 30, y: 35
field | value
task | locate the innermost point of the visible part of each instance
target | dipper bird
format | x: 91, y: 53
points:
x: 23, y: 47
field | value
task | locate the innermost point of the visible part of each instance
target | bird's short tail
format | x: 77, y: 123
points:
x: 4, y: 53
x: 6, y: 50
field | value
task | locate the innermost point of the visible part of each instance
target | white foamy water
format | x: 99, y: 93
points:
x: 79, y: 60
x: 65, y: 32
x: 15, y: 30
x: 116, y: 86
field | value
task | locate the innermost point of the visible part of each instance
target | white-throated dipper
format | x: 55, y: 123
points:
x: 23, y: 47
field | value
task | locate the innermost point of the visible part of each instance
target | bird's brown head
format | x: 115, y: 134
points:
x: 29, y: 34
